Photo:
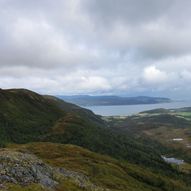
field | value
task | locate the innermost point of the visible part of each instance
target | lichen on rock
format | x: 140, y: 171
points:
x: 24, y: 169
x: 21, y: 170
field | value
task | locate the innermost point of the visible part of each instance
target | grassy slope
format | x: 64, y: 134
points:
x: 26, y: 116
x: 103, y: 171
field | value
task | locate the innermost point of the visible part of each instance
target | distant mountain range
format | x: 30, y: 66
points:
x: 86, y: 100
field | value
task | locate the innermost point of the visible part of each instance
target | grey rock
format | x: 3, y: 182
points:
x: 24, y: 169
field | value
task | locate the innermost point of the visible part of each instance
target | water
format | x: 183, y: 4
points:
x: 173, y: 160
x: 124, y: 110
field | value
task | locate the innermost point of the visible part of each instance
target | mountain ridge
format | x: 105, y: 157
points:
x: 27, y: 117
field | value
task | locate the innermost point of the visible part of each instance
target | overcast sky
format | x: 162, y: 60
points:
x: 129, y: 47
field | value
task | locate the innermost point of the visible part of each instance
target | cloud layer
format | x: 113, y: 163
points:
x: 103, y: 47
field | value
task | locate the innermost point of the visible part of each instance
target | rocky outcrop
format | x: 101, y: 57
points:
x: 21, y: 168
x: 25, y: 169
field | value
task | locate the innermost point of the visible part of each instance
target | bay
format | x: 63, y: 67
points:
x: 124, y: 110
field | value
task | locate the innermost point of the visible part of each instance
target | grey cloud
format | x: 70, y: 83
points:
x: 128, y: 11
x: 95, y: 46
x: 151, y: 29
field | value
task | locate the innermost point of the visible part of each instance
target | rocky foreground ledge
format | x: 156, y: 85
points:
x: 23, y: 169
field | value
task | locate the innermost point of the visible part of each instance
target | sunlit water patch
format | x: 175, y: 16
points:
x: 173, y: 160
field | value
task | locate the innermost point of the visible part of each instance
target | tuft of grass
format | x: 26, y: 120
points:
x: 32, y: 187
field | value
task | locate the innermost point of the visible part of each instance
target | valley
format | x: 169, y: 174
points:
x: 95, y: 95
x: 57, y: 146
x: 168, y: 127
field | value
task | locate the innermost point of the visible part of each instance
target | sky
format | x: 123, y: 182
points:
x: 122, y: 47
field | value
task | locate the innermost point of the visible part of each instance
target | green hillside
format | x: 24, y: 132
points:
x: 26, y: 116
x: 104, y: 172
x: 167, y: 130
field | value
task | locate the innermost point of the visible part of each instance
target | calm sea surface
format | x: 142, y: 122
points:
x: 134, y: 109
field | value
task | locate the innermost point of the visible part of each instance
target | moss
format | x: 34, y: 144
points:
x: 32, y: 187
x: 68, y: 185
